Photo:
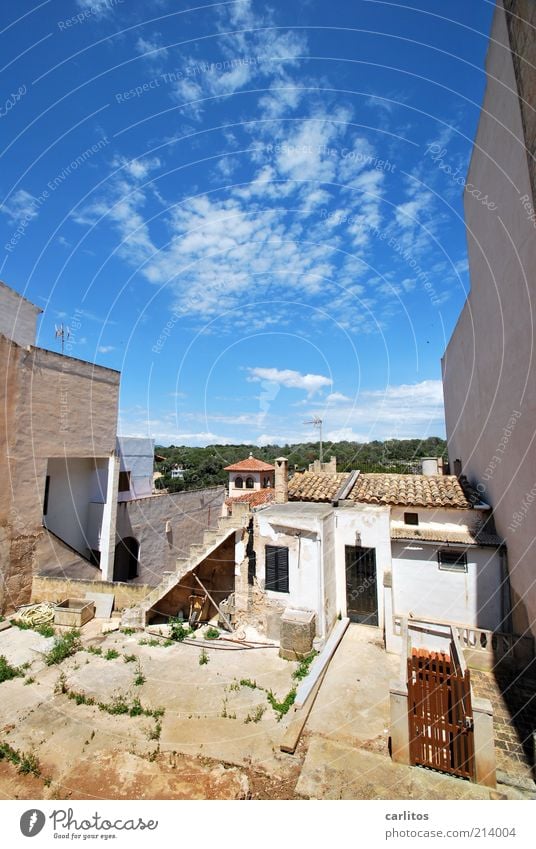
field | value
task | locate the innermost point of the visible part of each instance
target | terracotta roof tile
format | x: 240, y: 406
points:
x: 413, y: 490
x: 251, y: 464
x: 463, y: 536
x: 254, y: 498
x: 312, y: 486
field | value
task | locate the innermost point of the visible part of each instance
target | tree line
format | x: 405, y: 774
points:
x: 205, y: 466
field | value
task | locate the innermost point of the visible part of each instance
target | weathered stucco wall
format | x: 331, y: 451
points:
x: 422, y: 590
x: 189, y: 515
x: 488, y: 368
x: 52, y: 406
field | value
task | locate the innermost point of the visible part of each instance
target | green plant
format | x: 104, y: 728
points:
x: 7, y: 672
x: 211, y: 633
x: 139, y: 678
x: 63, y: 647
x: 258, y: 713
x: 234, y: 686
x: 156, y: 731
x: 281, y: 708
x: 153, y: 642
x: 203, y: 658
x: 111, y: 654
x: 303, y: 667
x: 45, y: 629
x: 178, y: 631
x: 94, y: 649
x: 129, y: 658
x: 118, y: 706
x: 26, y: 762
x: 29, y: 680
x: 128, y: 631
x: 247, y: 682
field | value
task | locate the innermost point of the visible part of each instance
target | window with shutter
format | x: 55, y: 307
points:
x: 276, y: 569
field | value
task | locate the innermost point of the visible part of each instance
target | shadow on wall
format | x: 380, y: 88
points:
x: 126, y: 559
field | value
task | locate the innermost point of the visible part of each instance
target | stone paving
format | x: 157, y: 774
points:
x: 513, y: 697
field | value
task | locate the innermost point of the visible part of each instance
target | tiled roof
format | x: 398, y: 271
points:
x: 413, y: 490
x: 404, y: 490
x: 311, y: 486
x: 462, y: 537
x: 251, y: 464
x: 254, y: 498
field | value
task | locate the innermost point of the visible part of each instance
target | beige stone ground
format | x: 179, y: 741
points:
x: 218, y: 737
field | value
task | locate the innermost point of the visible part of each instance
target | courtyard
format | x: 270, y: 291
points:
x: 131, y: 715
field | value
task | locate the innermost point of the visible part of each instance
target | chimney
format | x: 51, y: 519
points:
x: 430, y: 466
x: 281, y: 480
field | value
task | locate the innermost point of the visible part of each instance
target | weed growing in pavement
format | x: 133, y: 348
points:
x: 281, y: 708
x: 26, y: 762
x: 7, y: 672
x: 303, y: 667
x: 63, y: 647
x: 257, y: 715
x: 111, y: 654
x: 139, y: 678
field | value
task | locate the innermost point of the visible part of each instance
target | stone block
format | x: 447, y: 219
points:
x: 297, y: 632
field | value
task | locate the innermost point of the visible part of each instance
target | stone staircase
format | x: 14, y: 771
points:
x: 136, y: 617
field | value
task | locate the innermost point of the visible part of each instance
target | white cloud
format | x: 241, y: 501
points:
x: 337, y: 398
x: 20, y: 206
x: 311, y: 383
x: 404, y: 411
x: 151, y: 48
x: 105, y: 349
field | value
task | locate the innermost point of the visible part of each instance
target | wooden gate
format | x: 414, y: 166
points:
x: 441, y: 732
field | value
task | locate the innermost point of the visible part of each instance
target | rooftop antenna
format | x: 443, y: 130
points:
x: 317, y: 422
x: 63, y: 333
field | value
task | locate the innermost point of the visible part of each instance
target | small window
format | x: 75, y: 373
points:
x: 124, y: 481
x: 250, y: 483
x: 276, y: 565
x: 452, y: 561
x: 239, y: 483
x: 411, y: 518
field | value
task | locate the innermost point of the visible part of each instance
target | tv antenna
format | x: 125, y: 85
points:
x: 317, y: 422
x: 63, y: 333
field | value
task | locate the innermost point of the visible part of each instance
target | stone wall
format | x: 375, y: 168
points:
x: 186, y: 515
x: 57, y: 589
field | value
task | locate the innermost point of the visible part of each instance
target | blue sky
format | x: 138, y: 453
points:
x: 255, y: 214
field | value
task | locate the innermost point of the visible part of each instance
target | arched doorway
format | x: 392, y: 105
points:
x: 126, y: 559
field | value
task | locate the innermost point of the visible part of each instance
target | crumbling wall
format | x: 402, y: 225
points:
x: 57, y: 589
